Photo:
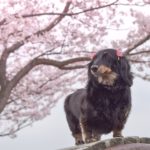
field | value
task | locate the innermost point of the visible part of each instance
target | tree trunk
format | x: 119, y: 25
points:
x: 4, y: 96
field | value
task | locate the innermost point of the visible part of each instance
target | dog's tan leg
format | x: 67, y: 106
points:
x: 95, y: 136
x: 117, y: 133
x: 78, y: 139
x: 86, y: 131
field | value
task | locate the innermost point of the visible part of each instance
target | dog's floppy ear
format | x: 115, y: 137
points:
x: 89, y: 68
x: 125, y: 72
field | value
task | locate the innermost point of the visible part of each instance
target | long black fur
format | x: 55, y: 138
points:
x: 103, y: 108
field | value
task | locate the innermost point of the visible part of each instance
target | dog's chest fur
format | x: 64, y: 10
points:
x: 106, y: 108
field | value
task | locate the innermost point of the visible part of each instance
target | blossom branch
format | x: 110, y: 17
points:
x: 43, y: 61
x: 141, y: 52
x: 17, y: 45
x: 11, y: 84
x: 2, y: 22
x: 56, y: 20
x: 139, y: 61
x: 135, y: 4
x: 144, y: 77
x: 21, y: 125
x: 74, y: 67
x: 70, y: 14
x: 142, y: 41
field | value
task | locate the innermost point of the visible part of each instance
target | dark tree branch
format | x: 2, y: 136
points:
x: 135, y: 4
x: 2, y: 22
x: 144, y: 77
x: 43, y: 61
x: 137, y: 53
x: 21, y: 125
x: 70, y: 14
x: 145, y: 39
x: 74, y: 67
x: 138, y: 61
x: 52, y: 79
x: 3, y: 80
x: 55, y: 21
x: 15, y: 46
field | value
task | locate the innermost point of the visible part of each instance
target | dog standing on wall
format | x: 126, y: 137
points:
x: 104, y: 105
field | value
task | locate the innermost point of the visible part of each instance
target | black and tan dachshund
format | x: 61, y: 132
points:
x: 104, y: 105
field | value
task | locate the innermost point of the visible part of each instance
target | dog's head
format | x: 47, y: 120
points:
x: 108, y: 69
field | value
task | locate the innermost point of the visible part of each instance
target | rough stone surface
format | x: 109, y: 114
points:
x: 133, y: 146
x: 145, y: 140
x: 119, y: 143
x: 129, y: 140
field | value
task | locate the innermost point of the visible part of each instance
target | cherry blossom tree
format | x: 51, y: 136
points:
x: 45, y: 47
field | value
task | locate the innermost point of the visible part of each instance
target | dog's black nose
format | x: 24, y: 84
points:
x: 94, y: 68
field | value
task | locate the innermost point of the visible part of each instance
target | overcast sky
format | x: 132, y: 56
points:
x: 53, y: 133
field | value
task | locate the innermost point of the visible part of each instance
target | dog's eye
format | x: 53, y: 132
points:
x: 94, y: 68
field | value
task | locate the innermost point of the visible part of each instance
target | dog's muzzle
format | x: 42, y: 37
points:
x: 104, y: 74
x: 100, y: 70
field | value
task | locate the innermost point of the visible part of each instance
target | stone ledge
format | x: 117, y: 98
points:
x: 106, y: 144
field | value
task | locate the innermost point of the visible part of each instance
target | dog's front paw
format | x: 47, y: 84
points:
x: 95, y: 139
x: 78, y: 139
x: 88, y: 140
x: 79, y: 142
x: 117, y: 133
